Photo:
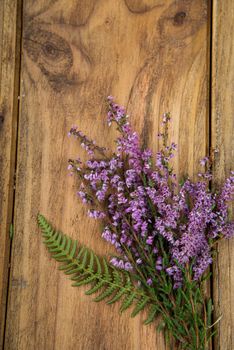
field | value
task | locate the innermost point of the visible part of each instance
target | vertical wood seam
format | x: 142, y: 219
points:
x: 221, y: 137
x: 14, y: 141
x: 212, y: 345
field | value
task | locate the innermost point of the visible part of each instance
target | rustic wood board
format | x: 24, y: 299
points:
x: 9, y: 74
x: 222, y: 139
x: 154, y: 57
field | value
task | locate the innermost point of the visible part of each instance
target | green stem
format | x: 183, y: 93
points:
x: 194, y: 312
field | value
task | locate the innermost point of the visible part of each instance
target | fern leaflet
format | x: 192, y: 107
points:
x: 84, y: 267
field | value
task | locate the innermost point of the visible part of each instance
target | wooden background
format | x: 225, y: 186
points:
x: 59, y: 59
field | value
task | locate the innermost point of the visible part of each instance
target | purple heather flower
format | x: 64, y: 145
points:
x: 128, y: 266
x: 159, y: 262
x: 150, y: 240
x: 158, y: 267
x: 96, y: 214
x: 83, y: 196
x: 228, y: 230
x: 121, y: 264
x: 202, y: 263
x: 149, y: 282
x: 204, y: 161
x: 110, y: 98
x: 139, y: 261
x: 170, y: 271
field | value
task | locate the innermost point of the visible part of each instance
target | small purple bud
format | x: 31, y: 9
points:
x: 158, y: 267
x: 149, y: 281
x: 150, y: 240
x: 203, y: 161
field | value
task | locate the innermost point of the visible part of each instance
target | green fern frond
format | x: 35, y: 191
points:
x: 128, y: 301
x: 153, y: 314
x: 140, y: 305
x: 84, y: 267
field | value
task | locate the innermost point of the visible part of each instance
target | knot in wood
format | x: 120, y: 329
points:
x: 179, y: 18
x: 50, y: 50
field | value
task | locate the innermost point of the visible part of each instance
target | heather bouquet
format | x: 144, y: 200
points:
x: 164, y: 230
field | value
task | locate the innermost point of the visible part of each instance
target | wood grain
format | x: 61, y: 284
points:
x: 9, y: 73
x: 222, y: 140
x: 153, y: 56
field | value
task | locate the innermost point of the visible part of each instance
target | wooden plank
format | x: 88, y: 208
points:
x: 152, y: 56
x: 222, y: 138
x: 9, y: 75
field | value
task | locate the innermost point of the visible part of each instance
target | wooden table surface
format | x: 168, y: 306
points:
x: 59, y: 60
